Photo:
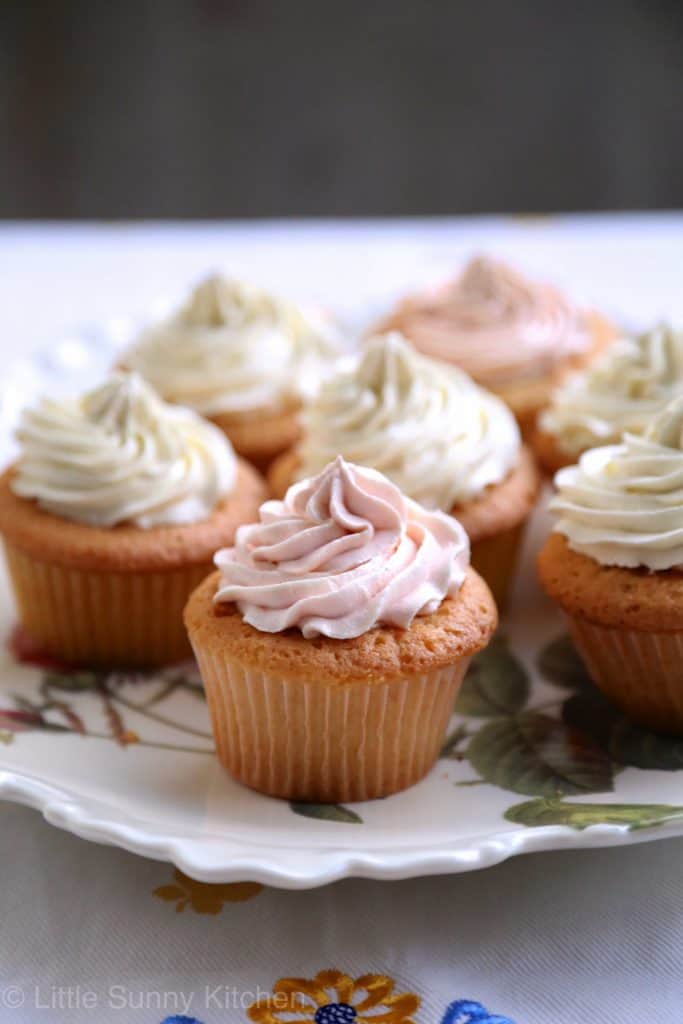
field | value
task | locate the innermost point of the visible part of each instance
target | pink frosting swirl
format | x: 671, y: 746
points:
x: 495, y: 324
x: 345, y: 551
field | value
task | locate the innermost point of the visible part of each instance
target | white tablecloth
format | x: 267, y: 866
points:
x: 560, y: 938
x: 94, y: 934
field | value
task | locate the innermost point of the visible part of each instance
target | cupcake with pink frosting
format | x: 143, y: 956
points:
x: 515, y: 336
x: 334, y: 636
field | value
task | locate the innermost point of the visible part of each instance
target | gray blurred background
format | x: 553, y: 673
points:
x: 242, y: 108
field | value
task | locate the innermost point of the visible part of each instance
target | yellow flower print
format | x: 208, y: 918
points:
x: 203, y: 897
x: 335, y: 998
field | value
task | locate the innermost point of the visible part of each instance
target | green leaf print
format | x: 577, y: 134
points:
x: 326, y: 812
x: 622, y: 740
x: 534, y: 754
x: 496, y: 683
x: 536, y: 813
x: 559, y: 663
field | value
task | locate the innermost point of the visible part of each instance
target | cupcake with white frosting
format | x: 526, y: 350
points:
x: 334, y: 636
x: 239, y: 356
x: 427, y: 426
x: 110, y: 517
x: 620, y: 392
x: 513, y: 335
x: 614, y: 564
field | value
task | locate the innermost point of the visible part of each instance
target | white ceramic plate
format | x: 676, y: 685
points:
x: 535, y: 760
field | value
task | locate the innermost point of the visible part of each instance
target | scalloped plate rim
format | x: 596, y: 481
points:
x: 238, y: 860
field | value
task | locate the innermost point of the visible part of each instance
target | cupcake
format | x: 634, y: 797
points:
x: 514, y: 336
x: 620, y: 392
x: 240, y: 357
x: 614, y: 564
x: 110, y: 518
x: 334, y: 636
x: 444, y: 441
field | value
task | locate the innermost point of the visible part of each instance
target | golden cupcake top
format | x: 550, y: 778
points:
x: 424, y: 424
x: 344, y: 551
x: 498, y: 325
x: 619, y: 392
x: 120, y: 454
x: 231, y: 348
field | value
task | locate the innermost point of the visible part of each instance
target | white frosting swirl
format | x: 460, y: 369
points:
x: 344, y: 552
x: 623, y: 504
x: 120, y: 454
x: 424, y: 424
x: 232, y: 348
x: 621, y: 391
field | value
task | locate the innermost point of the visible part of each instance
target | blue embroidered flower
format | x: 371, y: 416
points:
x: 464, y: 1011
x: 335, y: 1013
x: 180, y: 1019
